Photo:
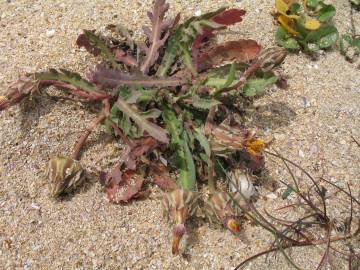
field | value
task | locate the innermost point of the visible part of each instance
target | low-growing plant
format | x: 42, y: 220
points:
x: 173, y: 101
x: 305, y: 25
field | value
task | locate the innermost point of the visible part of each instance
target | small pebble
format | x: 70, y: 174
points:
x: 50, y: 33
x: 198, y: 13
x: 301, y: 154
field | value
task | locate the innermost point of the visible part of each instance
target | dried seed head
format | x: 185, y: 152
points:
x: 65, y: 174
x: 232, y: 225
x: 241, y: 182
x: 221, y: 206
x: 178, y: 205
x: 178, y: 232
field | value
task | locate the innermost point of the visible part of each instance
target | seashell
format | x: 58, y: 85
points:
x: 241, y: 182
x: 65, y: 174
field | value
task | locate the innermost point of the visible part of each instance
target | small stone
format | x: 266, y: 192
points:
x: 34, y: 206
x: 271, y: 196
x: 198, y: 13
x: 301, y: 154
x: 50, y: 33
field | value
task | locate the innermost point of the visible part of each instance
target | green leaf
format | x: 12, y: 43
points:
x: 66, y: 76
x: 231, y: 76
x: 254, y: 87
x: 203, y: 103
x: 324, y: 37
x: 200, y: 137
x: 283, y: 39
x: 154, y: 130
x: 180, y: 140
x: 287, y: 193
x: 326, y: 12
x: 356, y: 43
x: 312, y: 3
x: 295, y: 8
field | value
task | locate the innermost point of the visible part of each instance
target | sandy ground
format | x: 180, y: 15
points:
x: 312, y: 122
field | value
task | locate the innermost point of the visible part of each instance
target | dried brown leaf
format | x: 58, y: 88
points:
x: 240, y: 51
x: 122, y: 186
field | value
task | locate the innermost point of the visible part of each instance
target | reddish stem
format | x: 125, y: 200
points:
x: 81, y: 141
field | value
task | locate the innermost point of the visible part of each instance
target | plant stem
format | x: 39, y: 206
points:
x: 211, y: 180
x: 97, y: 121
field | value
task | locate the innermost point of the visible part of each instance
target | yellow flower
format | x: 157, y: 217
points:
x: 285, y: 22
x: 255, y: 146
x: 312, y: 24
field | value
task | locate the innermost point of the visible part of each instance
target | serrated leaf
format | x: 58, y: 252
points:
x: 157, y: 35
x: 97, y: 42
x: 203, y: 103
x: 179, y: 139
x: 68, y: 77
x: 200, y: 137
x: 186, y: 33
x: 154, y: 130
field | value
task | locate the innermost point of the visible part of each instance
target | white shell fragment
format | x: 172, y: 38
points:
x: 241, y: 182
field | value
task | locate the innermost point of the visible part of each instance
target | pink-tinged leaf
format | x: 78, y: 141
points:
x: 122, y: 186
x: 240, y: 51
x: 125, y: 58
x: 162, y: 178
x: 229, y: 16
x: 23, y: 87
x: 111, y: 78
x: 140, y: 147
x: 157, y: 35
x: 165, y: 182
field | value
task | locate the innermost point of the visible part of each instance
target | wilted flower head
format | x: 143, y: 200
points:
x: 178, y: 205
x: 65, y: 174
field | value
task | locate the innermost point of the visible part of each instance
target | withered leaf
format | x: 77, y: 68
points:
x: 122, y: 186
x: 140, y: 147
x: 157, y: 35
x: 112, y: 78
x: 23, y: 87
x: 162, y: 178
x: 240, y: 51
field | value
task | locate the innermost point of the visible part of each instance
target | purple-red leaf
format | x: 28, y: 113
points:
x: 229, y: 16
x: 240, y: 51
x: 157, y: 35
x: 83, y: 41
x: 112, y: 78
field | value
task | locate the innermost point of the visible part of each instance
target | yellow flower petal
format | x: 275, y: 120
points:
x: 285, y: 22
x: 282, y: 7
x: 255, y: 146
x: 312, y: 24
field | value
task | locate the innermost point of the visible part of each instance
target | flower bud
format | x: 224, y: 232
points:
x: 65, y: 174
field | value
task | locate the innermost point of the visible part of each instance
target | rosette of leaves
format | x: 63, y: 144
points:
x: 350, y: 47
x: 305, y: 25
x: 166, y: 100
